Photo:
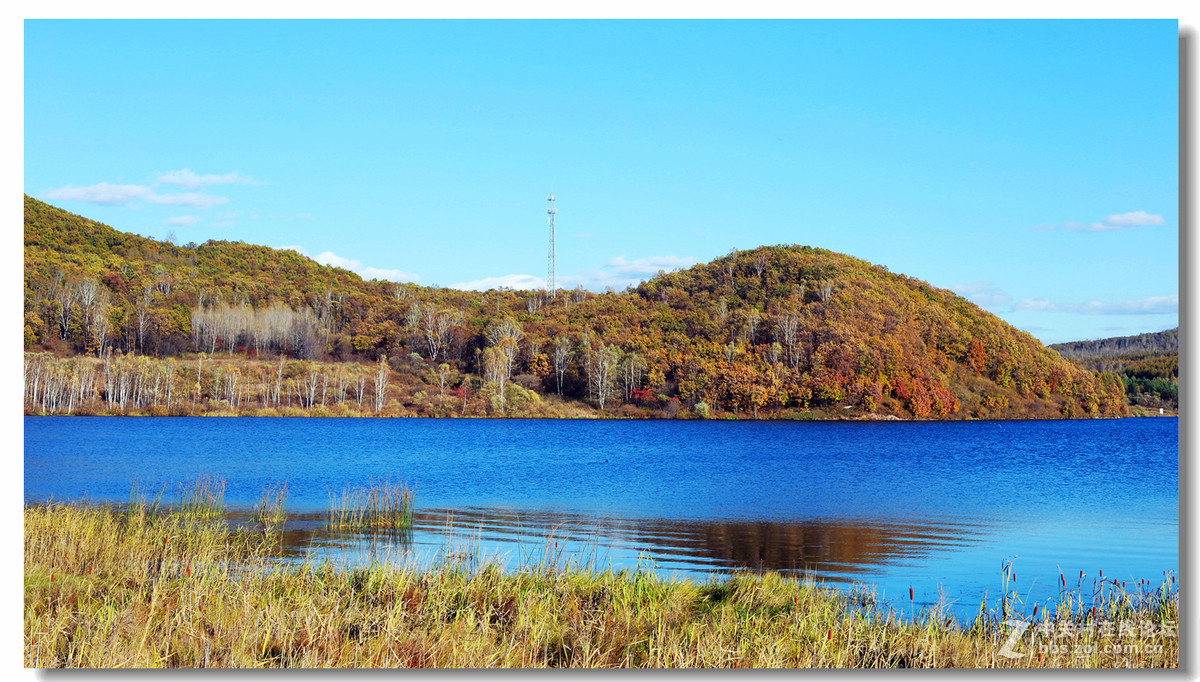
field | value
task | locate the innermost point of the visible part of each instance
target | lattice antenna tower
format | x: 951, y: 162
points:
x: 550, y: 287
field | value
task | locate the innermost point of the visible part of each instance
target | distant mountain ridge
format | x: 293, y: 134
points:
x: 784, y: 331
x: 1148, y: 365
x: 1151, y: 342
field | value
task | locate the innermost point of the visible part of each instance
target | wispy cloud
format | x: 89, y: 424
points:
x: 1116, y: 221
x: 519, y: 282
x: 646, y: 267
x: 983, y: 294
x: 357, y: 267
x: 182, y: 220
x: 617, y: 273
x: 192, y: 199
x: 988, y: 296
x: 187, y: 179
x: 583, y: 235
x: 1152, y: 305
x: 99, y: 193
x: 109, y: 194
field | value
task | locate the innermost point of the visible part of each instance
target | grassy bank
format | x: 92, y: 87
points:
x: 108, y: 589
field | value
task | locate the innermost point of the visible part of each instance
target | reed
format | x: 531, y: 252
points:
x: 177, y: 591
x: 270, y: 508
x: 203, y: 499
x: 139, y: 506
x: 382, y: 505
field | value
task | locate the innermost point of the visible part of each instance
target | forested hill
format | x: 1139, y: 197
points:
x: 779, y: 331
x: 1166, y: 341
x: 1148, y: 365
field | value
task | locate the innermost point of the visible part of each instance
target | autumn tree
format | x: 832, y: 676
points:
x: 977, y: 357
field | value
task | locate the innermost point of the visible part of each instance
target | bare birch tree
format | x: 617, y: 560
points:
x: 381, y: 383
x: 562, y: 355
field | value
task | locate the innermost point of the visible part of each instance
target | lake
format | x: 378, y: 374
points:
x: 935, y: 506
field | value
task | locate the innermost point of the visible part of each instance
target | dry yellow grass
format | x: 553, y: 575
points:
x: 107, y: 590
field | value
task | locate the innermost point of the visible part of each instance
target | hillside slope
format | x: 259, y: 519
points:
x: 1148, y: 365
x: 780, y: 331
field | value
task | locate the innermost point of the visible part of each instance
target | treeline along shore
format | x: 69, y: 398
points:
x: 115, y: 323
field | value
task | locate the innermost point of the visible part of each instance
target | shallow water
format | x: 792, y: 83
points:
x: 937, y: 506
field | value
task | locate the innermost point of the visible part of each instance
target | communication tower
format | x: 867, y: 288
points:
x: 550, y: 288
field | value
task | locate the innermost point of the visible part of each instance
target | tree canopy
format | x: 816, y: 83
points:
x: 781, y: 331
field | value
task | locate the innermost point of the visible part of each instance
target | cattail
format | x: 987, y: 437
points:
x: 1102, y: 574
x: 830, y: 634
x: 51, y: 576
x: 1039, y: 657
x: 1081, y: 574
x: 89, y: 570
x: 1063, y: 579
x: 1035, y: 607
x: 1093, y: 612
x: 910, y: 593
x: 189, y: 570
x: 1014, y: 577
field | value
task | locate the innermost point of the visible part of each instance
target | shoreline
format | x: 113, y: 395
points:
x: 105, y: 589
x: 863, y: 418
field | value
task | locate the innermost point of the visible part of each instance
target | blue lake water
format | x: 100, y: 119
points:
x: 937, y: 506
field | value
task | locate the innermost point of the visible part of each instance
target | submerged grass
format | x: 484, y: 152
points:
x: 270, y: 510
x: 383, y: 505
x: 178, y: 591
x: 139, y: 505
x: 203, y: 499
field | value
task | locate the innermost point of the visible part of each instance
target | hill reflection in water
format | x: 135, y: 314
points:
x: 839, y: 550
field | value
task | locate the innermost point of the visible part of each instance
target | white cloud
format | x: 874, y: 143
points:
x: 100, y: 193
x: 1152, y: 305
x: 1116, y: 221
x: 364, y: 271
x: 520, y: 282
x: 1134, y: 219
x: 987, y: 295
x: 647, y: 266
x: 617, y: 273
x: 186, y: 179
x: 192, y: 199
x: 583, y: 235
x: 983, y: 294
x: 182, y: 220
x: 122, y: 195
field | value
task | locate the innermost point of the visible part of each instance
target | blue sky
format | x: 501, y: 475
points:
x: 1029, y: 165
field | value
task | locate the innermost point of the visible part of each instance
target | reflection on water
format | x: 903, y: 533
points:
x: 935, y: 507
x: 950, y: 562
x: 833, y: 551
